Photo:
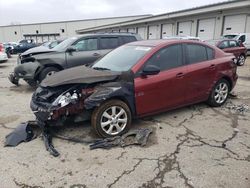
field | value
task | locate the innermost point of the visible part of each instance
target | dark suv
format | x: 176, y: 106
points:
x: 75, y: 51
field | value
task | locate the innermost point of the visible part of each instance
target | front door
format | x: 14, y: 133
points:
x: 86, y: 52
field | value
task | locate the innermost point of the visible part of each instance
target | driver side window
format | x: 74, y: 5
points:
x: 86, y: 44
x: 167, y: 58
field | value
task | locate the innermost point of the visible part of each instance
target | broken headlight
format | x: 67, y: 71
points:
x: 65, y: 99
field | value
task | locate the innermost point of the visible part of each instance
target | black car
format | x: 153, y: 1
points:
x: 23, y: 46
x: 74, y: 51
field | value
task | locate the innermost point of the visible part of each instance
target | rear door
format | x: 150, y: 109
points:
x: 86, y: 52
x: 201, y: 69
x: 235, y: 48
x: 165, y: 90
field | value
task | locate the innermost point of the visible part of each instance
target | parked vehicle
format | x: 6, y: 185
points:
x: 3, y: 55
x: 23, y: 46
x: 136, y: 80
x: 242, y: 38
x: 8, y: 49
x: 44, y: 48
x: 75, y: 51
x: 232, y: 46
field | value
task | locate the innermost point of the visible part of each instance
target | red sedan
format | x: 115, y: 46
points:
x: 232, y: 46
x: 135, y: 80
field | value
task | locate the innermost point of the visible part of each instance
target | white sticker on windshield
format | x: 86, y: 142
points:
x: 143, y: 48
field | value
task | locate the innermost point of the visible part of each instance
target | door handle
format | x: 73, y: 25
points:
x: 180, y: 75
x: 96, y: 54
x: 212, y: 66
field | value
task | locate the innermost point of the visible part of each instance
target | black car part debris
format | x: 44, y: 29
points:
x: 133, y: 137
x: 47, y: 138
x: 13, y: 78
x: 22, y: 133
x: 241, y: 108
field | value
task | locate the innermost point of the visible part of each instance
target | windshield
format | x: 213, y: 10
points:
x: 122, y: 58
x: 230, y: 36
x: 65, y: 44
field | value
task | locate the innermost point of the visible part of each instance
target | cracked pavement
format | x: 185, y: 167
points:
x: 195, y: 146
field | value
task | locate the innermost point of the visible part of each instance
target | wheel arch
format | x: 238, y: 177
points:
x: 42, y: 67
x: 229, y: 81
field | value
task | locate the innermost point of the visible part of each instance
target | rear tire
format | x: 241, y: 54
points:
x: 241, y: 60
x: 219, y: 93
x: 112, y: 118
x: 47, y: 72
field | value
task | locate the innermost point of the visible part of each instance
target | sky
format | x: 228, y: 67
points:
x: 36, y: 11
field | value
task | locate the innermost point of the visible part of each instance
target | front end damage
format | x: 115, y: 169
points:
x: 53, y: 105
x: 26, y: 71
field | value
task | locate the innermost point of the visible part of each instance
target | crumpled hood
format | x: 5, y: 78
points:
x: 79, y: 75
x: 37, y: 50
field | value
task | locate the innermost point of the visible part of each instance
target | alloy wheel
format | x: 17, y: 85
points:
x: 221, y: 93
x: 241, y: 60
x: 114, y: 120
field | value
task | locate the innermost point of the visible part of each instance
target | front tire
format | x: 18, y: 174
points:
x: 112, y: 118
x: 47, y: 72
x: 219, y: 94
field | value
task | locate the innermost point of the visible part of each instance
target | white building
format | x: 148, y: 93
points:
x: 206, y: 22
x: 45, y: 31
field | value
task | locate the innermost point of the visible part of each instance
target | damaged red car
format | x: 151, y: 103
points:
x: 136, y: 80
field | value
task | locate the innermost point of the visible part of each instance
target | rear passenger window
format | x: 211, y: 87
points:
x: 109, y: 42
x: 210, y: 53
x: 127, y: 39
x: 196, y: 53
x: 167, y: 58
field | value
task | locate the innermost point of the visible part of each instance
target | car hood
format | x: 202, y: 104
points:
x: 79, y: 75
x: 37, y: 50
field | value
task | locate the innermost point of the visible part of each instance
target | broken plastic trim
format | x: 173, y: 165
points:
x: 139, y: 137
x: 22, y: 133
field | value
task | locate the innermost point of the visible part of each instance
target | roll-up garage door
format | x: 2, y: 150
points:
x: 131, y: 30
x: 184, y: 28
x: 234, y: 24
x: 142, y: 31
x: 206, y: 29
x: 167, y: 30
x: 153, y: 32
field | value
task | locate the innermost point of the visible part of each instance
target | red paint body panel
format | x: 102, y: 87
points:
x: 180, y: 86
x: 237, y: 51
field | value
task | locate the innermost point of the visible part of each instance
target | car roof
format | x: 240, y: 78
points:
x: 155, y: 43
x: 106, y: 34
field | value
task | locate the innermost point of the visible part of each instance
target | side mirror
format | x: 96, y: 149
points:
x: 71, y: 49
x: 150, y: 70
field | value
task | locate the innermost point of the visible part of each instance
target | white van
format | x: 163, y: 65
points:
x: 243, y: 37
